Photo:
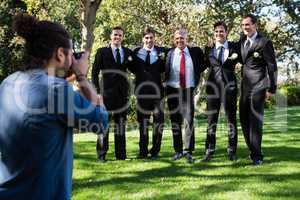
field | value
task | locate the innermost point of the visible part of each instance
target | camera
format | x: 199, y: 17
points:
x: 77, y: 55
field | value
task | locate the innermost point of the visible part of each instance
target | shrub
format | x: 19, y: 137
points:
x: 287, y: 95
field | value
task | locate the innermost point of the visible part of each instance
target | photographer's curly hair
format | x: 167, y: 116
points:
x: 42, y: 38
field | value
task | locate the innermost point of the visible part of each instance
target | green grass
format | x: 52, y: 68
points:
x: 277, y: 178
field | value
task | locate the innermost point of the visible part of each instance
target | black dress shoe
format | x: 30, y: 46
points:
x: 177, y: 156
x: 155, y: 157
x: 121, y: 158
x: 101, y: 159
x: 189, y: 158
x: 257, y: 162
x: 142, y: 156
x: 232, y: 157
x: 207, y: 157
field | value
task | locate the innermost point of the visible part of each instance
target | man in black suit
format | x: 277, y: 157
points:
x: 183, y: 68
x: 221, y: 88
x: 113, y: 61
x: 259, y: 75
x: 149, y: 65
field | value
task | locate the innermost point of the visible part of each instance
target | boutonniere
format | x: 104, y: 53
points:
x: 162, y: 55
x: 129, y: 58
x: 256, y: 55
x: 233, y: 56
x: 238, y: 67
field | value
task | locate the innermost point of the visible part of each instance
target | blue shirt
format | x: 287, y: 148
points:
x: 113, y: 49
x: 217, y: 50
x: 142, y: 54
x: 38, y: 113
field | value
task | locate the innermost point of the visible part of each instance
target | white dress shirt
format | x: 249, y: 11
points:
x: 113, y: 49
x: 142, y: 54
x: 174, y: 79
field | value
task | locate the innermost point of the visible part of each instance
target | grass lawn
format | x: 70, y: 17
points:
x: 277, y: 178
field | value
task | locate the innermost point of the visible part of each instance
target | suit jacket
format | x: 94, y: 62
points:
x: 259, y: 64
x: 198, y: 62
x: 222, y: 74
x: 149, y: 73
x: 115, y: 88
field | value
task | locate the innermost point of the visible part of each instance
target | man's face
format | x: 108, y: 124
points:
x: 68, y: 60
x: 63, y: 62
x: 148, y: 40
x: 116, y: 37
x: 248, y: 27
x: 220, y: 34
x: 180, y: 40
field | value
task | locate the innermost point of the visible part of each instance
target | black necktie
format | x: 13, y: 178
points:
x: 118, y: 56
x: 220, y: 56
x: 148, y: 57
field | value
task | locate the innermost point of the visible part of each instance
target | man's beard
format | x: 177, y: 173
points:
x: 65, y: 71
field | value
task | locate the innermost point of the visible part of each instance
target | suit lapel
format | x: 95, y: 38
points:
x: 126, y: 55
x: 243, y: 51
x: 155, y: 48
x: 213, y: 60
x: 230, y: 49
x: 194, y: 58
x: 196, y: 63
x: 169, y: 61
x: 255, y: 44
x: 245, y: 54
x: 110, y: 53
x: 157, y: 53
x: 136, y: 51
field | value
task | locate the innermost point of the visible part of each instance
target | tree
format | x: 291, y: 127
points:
x: 279, y: 20
x: 11, y: 58
x: 77, y: 15
x: 88, y: 10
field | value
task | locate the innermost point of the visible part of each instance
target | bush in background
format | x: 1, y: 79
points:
x: 289, y: 93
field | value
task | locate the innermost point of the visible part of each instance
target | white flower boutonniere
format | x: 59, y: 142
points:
x: 256, y: 55
x: 238, y: 67
x: 129, y: 58
x: 162, y: 55
x: 233, y: 56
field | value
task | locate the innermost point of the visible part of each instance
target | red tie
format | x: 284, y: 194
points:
x: 182, y: 70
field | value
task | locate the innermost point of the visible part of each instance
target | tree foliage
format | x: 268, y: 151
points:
x: 10, y: 47
x: 279, y: 20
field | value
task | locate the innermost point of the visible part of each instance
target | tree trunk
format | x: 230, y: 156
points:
x: 88, y: 16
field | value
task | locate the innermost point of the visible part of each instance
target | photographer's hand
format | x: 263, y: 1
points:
x: 80, y: 68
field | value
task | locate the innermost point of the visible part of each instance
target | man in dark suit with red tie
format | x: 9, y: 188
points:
x: 259, y: 75
x: 149, y: 64
x: 113, y: 61
x: 183, y: 68
x: 221, y: 87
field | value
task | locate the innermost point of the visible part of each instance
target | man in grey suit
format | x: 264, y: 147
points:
x: 259, y: 74
x: 221, y: 88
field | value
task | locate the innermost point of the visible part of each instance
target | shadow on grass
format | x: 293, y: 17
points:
x: 280, y: 172
x: 173, y: 169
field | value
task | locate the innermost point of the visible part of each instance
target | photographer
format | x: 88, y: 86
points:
x: 39, y: 109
